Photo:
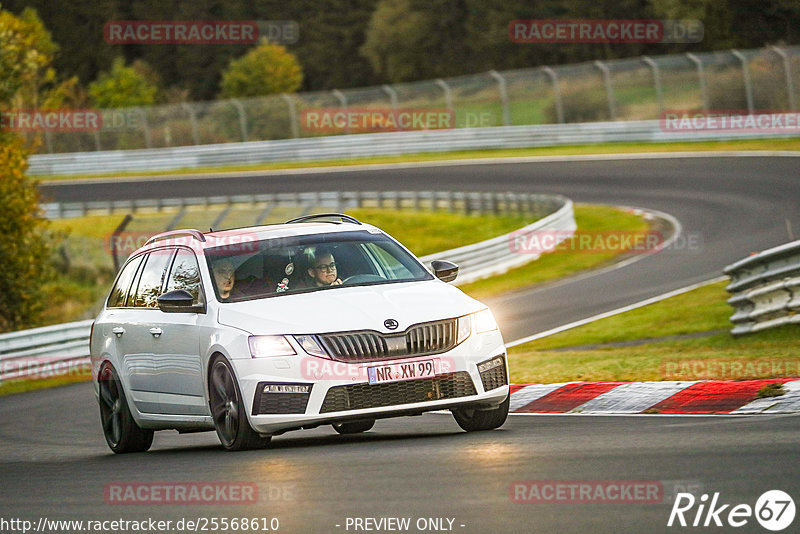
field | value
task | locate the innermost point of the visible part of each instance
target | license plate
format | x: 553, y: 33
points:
x: 401, y: 371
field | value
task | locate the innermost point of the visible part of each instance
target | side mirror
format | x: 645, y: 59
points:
x: 446, y: 271
x: 178, y: 301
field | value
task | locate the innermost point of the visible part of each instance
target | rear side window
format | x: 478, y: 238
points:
x: 185, y: 274
x: 152, y: 279
x: 119, y: 293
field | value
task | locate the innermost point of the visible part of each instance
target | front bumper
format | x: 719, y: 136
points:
x: 340, y: 391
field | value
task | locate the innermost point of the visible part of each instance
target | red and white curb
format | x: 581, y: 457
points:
x: 698, y: 397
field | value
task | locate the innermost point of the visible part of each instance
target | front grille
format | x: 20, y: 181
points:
x: 494, y: 378
x: 279, y: 403
x: 360, y: 396
x: 419, y: 340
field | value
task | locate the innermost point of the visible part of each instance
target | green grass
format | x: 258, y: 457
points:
x: 558, y: 264
x: 767, y: 354
x: 20, y: 386
x: 603, y: 148
x: 424, y: 232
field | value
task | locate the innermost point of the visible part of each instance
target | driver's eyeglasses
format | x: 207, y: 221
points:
x: 326, y: 266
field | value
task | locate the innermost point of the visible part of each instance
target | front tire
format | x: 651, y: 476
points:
x: 228, y: 410
x: 473, y: 420
x: 122, y: 433
x: 354, y: 427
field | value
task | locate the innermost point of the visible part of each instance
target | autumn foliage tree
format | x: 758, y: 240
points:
x: 25, y: 259
x: 265, y: 70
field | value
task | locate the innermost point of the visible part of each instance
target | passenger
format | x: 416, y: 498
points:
x: 225, y: 277
x: 322, y: 271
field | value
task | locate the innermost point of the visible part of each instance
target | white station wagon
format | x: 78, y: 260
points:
x: 256, y: 331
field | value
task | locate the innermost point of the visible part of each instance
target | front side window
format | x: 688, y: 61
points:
x: 185, y: 274
x: 274, y: 267
x: 152, y: 278
x: 119, y: 293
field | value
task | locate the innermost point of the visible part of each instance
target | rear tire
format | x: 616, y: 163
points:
x: 473, y: 420
x: 122, y: 433
x: 354, y: 427
x: 228, y: 410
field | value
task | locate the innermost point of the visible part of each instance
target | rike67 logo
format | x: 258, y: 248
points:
x: 774, y: 510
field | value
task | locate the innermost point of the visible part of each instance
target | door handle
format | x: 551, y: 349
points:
x: 155, y: 331
x: 118, y: 331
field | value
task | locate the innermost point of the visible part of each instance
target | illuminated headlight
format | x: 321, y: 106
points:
x: 286, y: 388
x: 491, y: 364
x: 311, y: 345
x: 269, y: 346
x: 464, y: 328
x: 484, y: 321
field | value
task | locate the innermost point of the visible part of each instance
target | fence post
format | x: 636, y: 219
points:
x: 292, y: 114
x: 193, y: 120
x: 148, y: 141
x: 113, y: 245
x: 242, y: 118
x: 701, y: 77
x: 389, y: 90
x: 343, y: 104
x: 48, y: 139
x: 448, y: 94
x: 501, y: 86
x: 787, y: 69
x: 97, y: 140
x: 556, y: 92
x: 612, y: 110
x: 656, y: 81
x: 748, y: 87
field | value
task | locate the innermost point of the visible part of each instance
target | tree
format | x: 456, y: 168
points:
x: 267, y: 69
x: 122, y: 87
x: 25, y: 52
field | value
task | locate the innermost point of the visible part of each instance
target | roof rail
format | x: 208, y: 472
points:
x: 197, y: 234
x: 342, y: 218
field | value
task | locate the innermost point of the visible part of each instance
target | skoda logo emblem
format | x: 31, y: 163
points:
x: 391, y: 324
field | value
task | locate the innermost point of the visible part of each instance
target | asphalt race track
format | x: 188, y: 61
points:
x: 55, y: 463
x: 732, y: 206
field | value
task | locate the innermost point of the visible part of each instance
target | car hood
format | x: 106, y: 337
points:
x: 349, y: 308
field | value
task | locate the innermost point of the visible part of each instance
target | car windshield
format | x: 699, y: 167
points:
x: 299, y: 264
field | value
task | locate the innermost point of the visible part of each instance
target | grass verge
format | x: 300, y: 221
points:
x: 601, y: 148
x: 721, y: 356
x: 20, y: 386
x: 592, y: 220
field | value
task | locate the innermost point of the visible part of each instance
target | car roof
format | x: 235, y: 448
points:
x: 199, y: 241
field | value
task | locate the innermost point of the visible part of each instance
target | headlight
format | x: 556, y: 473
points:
x: 484, y: 321
x: 464, y: 328
x: 269, y: 346
x: 311, y: 346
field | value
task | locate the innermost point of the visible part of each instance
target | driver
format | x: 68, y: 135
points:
x: 322, y: 270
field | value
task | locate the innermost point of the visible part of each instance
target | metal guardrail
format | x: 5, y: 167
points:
x: 339, y: 201
x: 57, y: 349
x: 45, y: 352
x: 497, y: 255
x: 765, y: 289
x: 373, y: 144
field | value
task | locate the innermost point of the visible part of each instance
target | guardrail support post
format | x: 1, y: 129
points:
x: 612, y: 109
x: 242, y: 118
x: 787, y: 70
x: 292, y: 114
x: 193, y: 120
x: 503, y: 89
x: 551, y: 73
x: 701, y: 78
x: 656, y: 81
x: 748, y: 86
